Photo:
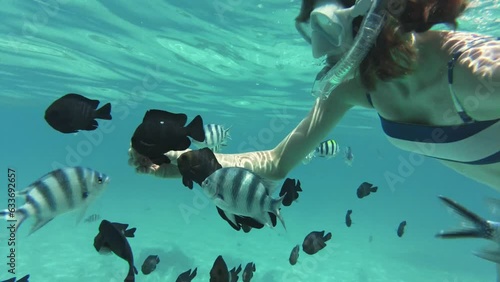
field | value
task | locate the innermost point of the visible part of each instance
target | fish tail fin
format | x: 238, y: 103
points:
x: 482, y: 228
x: 327, y: 237
x: 18, y: 217
x: 193, y: 274
x: 227, y: 133
x: 374, y: 189
x: 131, y: 274
x: 130, y: 233
x: 275, y: 208
x: 195, y: 129
x: 104, y: 112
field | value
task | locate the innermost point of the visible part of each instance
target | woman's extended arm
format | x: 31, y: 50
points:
x: 276, y: 163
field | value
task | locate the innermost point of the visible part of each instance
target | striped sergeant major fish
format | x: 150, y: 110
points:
x: 216, y: 136
x: 326, y: 149
x: 238, y: 191
x: 58, y: 192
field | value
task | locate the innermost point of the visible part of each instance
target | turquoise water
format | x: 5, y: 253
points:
x: 231, y: 62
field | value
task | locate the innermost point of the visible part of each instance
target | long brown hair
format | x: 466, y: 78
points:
x: 393, y: 55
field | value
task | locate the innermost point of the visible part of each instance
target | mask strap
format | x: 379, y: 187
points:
x: 361, y: 8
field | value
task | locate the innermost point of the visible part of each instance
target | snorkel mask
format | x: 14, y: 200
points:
x: 329, y: 31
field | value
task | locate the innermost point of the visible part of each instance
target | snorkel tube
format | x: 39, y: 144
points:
x: 370, y: 28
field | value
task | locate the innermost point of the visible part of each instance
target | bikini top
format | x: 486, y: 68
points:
x: 472, y: 142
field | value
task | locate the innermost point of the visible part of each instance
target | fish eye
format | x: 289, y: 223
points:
x: 99, y: 180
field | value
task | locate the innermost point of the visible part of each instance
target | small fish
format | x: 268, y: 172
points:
x: 365, y: 189
x: 248, y: 272
x: 162, y: 131
x: 73, y: 112
x: 348, y: 220
x: 187, y: 276
x: 216, y: 136
x: 92, y: 218
x: 195, y: 166
x: 233, y: 274
x: 294, y: 255
x: 326, y: 149
x: 112, y: 237
x: 401, y: 228
x: 99, y: 239
x: 290, y: 190
x: 238, y: 191
x: 219, y: 272
x: 348, y: 155
x: 315, y: 241
x: 23, y: 279
x: 58, y: 192
x: 149, y: 264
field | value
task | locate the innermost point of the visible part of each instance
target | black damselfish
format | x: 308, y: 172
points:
x: 162, y: 131
x: 291, y: 188
x: 149, y: 264
x: 112, y: 237
x: 73, y: 112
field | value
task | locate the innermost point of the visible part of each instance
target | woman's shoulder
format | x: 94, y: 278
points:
x: 473, y: 51
x: 459, y: 41
x: 454, y: 41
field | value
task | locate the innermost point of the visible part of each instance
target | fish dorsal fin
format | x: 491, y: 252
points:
x: 77, y: 97
x: 160, y: 115
x: 122, y: 227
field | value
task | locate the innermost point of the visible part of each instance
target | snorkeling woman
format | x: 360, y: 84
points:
x: 437, y: 93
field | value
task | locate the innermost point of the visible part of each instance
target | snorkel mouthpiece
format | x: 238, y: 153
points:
x: 370, y: 28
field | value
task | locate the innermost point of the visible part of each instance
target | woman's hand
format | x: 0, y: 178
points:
x: 143, y: 165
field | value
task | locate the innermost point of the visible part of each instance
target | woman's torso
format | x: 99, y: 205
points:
x: 424, y: 97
